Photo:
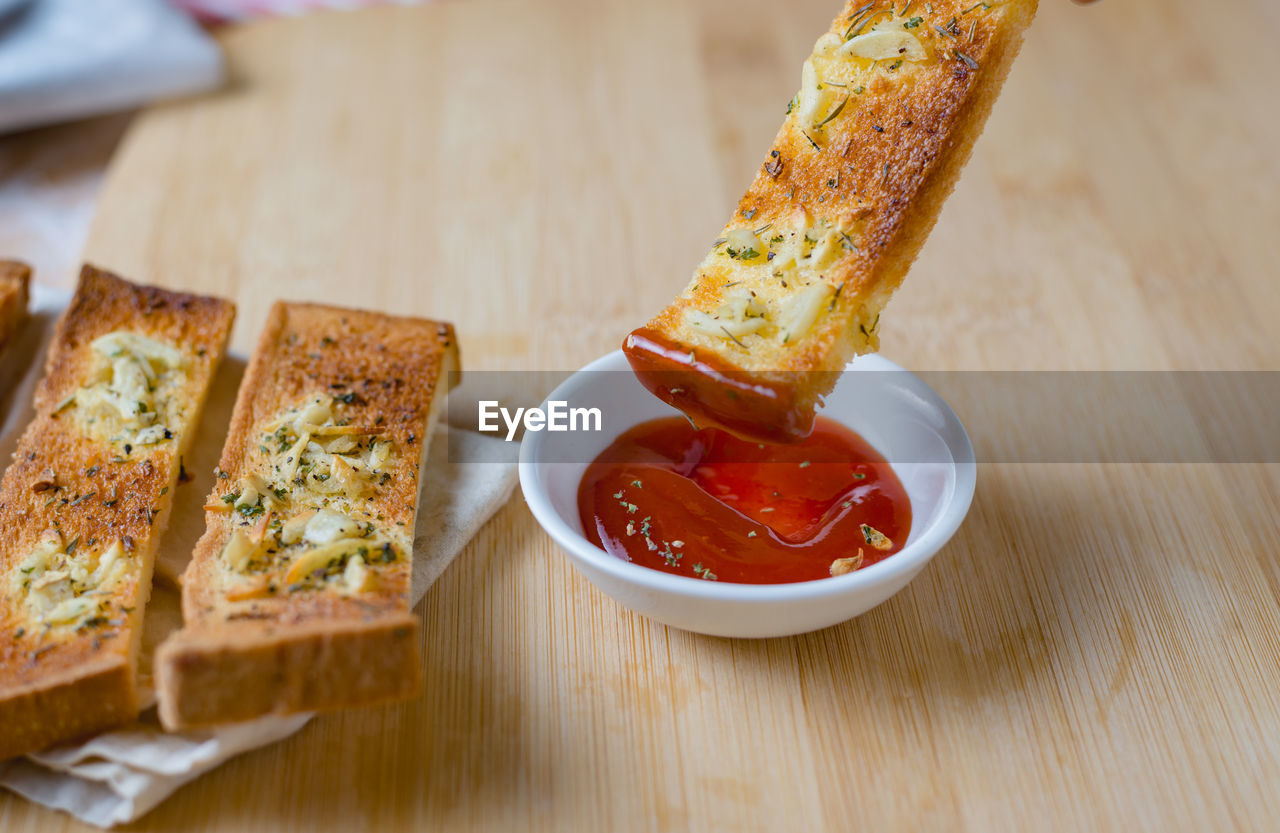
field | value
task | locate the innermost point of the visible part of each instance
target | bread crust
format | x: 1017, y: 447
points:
x: 62, y: 681
x: 244, y: 671
x: 870, y: 155
x: 282, y: 648
x: 15, y: 279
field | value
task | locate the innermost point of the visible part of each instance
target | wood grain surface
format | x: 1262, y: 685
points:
x: 1096, y: 649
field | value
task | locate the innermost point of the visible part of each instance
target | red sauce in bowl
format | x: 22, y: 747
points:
x: 708, y: 505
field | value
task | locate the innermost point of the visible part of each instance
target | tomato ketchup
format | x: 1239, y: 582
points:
x: 708, y: 505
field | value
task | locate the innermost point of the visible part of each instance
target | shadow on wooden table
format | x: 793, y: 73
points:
x: 1017, y: 606
x: 537, y: 685
x: 992, y: 612
x: 1017, y: 614
x: 461, y: 746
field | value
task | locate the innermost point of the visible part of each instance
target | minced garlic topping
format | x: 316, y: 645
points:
x: 318, y: 458
x: 303, y: 518
x: 876, y: 538
x: 837, y: 69
x: 781, y: 289
x: 843, y: 566
x: 68, y: 583
x: 129, y: 396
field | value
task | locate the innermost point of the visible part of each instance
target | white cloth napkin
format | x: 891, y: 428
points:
x: 65, y: 59
x: 118, y: 776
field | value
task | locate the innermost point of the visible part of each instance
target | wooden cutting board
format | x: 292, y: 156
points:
x: 1098, y: 647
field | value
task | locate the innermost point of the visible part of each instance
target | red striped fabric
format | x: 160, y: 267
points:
x: 217, y: 11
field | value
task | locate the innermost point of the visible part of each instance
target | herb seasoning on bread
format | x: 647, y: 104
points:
x: 297, y: 596
x: 891, y: 101
x: 86, y: 500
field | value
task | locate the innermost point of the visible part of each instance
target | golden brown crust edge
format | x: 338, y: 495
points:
x: 68, y: 706
x: 62, y: 690
x: 224, y: 676
x: 880, y: 170
x: 15, y: 280
x: 317, y: 652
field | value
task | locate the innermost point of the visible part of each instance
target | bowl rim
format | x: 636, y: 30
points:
x: 902, y: 564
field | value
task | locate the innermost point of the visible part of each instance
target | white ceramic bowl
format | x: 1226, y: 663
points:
x: 901, y: 416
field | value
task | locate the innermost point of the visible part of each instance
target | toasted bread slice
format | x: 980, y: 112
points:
x: 889, y: 107
x: 297, y: 596
x: 87, y: 498
x: 14, y: 280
